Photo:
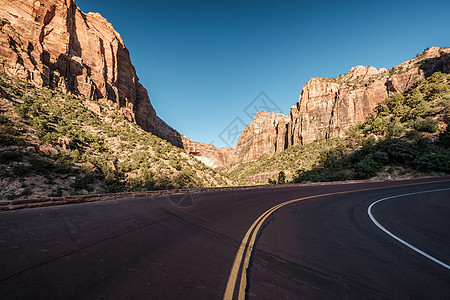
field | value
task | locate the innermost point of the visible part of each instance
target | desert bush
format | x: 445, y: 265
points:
x: 20, y: 170
x: 426, y: 125
x: 4, y: 120
x: 444, y: 137
x: 40, y: 165
x: 9, y: 156
x: 281, y: 178
x: 26, y: 192
x: 367, y: 168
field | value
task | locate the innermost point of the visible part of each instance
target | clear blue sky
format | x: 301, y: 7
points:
x: 203, y: 62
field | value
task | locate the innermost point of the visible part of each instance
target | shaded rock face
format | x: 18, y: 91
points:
x: 266, y: 135
x: 53, y: 43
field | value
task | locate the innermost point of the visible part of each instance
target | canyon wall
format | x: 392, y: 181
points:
x: 53, y: 43
x: 328, y: 107
x: 265, y: 136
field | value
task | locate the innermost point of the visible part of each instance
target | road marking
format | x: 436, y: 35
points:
x: 369, y: 211
x: 253, y: 232
x: 248, y: 242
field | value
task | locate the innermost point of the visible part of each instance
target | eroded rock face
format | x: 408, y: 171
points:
x: 53, y: 43
x: 209, y: 154
x: 265, y: 136
x: 328, y: 107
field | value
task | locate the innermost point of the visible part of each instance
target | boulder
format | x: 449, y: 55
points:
x: 48, y: 150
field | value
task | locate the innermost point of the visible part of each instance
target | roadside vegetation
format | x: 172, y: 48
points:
x: 407, y: 136
x: 57, y: 144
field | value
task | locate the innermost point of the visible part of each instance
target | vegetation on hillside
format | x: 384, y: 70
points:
x: 407, y: 135
x: 54, y: 144
x: 57, y: 144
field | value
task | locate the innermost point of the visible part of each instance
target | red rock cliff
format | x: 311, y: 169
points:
x: 328, y: 107
x: 266, y: 135
x: 53, y: 43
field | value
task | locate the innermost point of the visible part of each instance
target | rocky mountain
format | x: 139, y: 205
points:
x: 209, y: 154
x: 53, y: 43
x: 406, y: 136
x: 328, y: 107
x: 266, y: 135
x: 55, y: 144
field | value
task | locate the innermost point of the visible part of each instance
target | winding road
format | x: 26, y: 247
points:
x: 368, y: 240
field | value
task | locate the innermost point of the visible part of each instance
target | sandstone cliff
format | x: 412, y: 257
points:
x: 53, y: 43
x: 328, y: 107
x: 209, y: 154
x: 266, y: 135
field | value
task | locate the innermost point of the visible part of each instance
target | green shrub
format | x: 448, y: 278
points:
x: 281, y: 178
x: 9, y: 156
x: 340, y: 175
x: 20, y: 171
x: 83, y: 182
x: 444, y: 137
x: 367, y: 168
x: 426, y: 125
x: 272, y: 181
x: 56, y: 193
x: 11, y: 196
x: 400, y: 151
x: 7, y: 140
x: 379, y: 157
x: 26, y: 192
x: 425, y: 163
x: 441, y: 160
x: 40, y: 165
x: 113, y: 185
x: 4, y: 120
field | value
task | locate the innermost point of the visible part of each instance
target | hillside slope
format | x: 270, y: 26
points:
x: 53, y: 143
x: 407, y: 134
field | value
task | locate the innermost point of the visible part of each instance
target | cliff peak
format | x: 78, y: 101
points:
x: 53, y: 43
x: 263, y: 136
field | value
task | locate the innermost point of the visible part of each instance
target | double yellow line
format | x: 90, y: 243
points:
x: 245, y: 250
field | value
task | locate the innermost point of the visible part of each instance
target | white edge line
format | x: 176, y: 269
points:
x: 369, y: 211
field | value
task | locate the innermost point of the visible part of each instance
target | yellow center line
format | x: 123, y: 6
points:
x: 229, y: 291
x: 253, y: 232
x: 248, y: 254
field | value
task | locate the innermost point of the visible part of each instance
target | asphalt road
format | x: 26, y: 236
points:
x: 184, y: 246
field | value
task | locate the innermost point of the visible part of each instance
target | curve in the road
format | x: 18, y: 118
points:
x: 242, y: 259
x: 374, y: 220
x: 246, y: 248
